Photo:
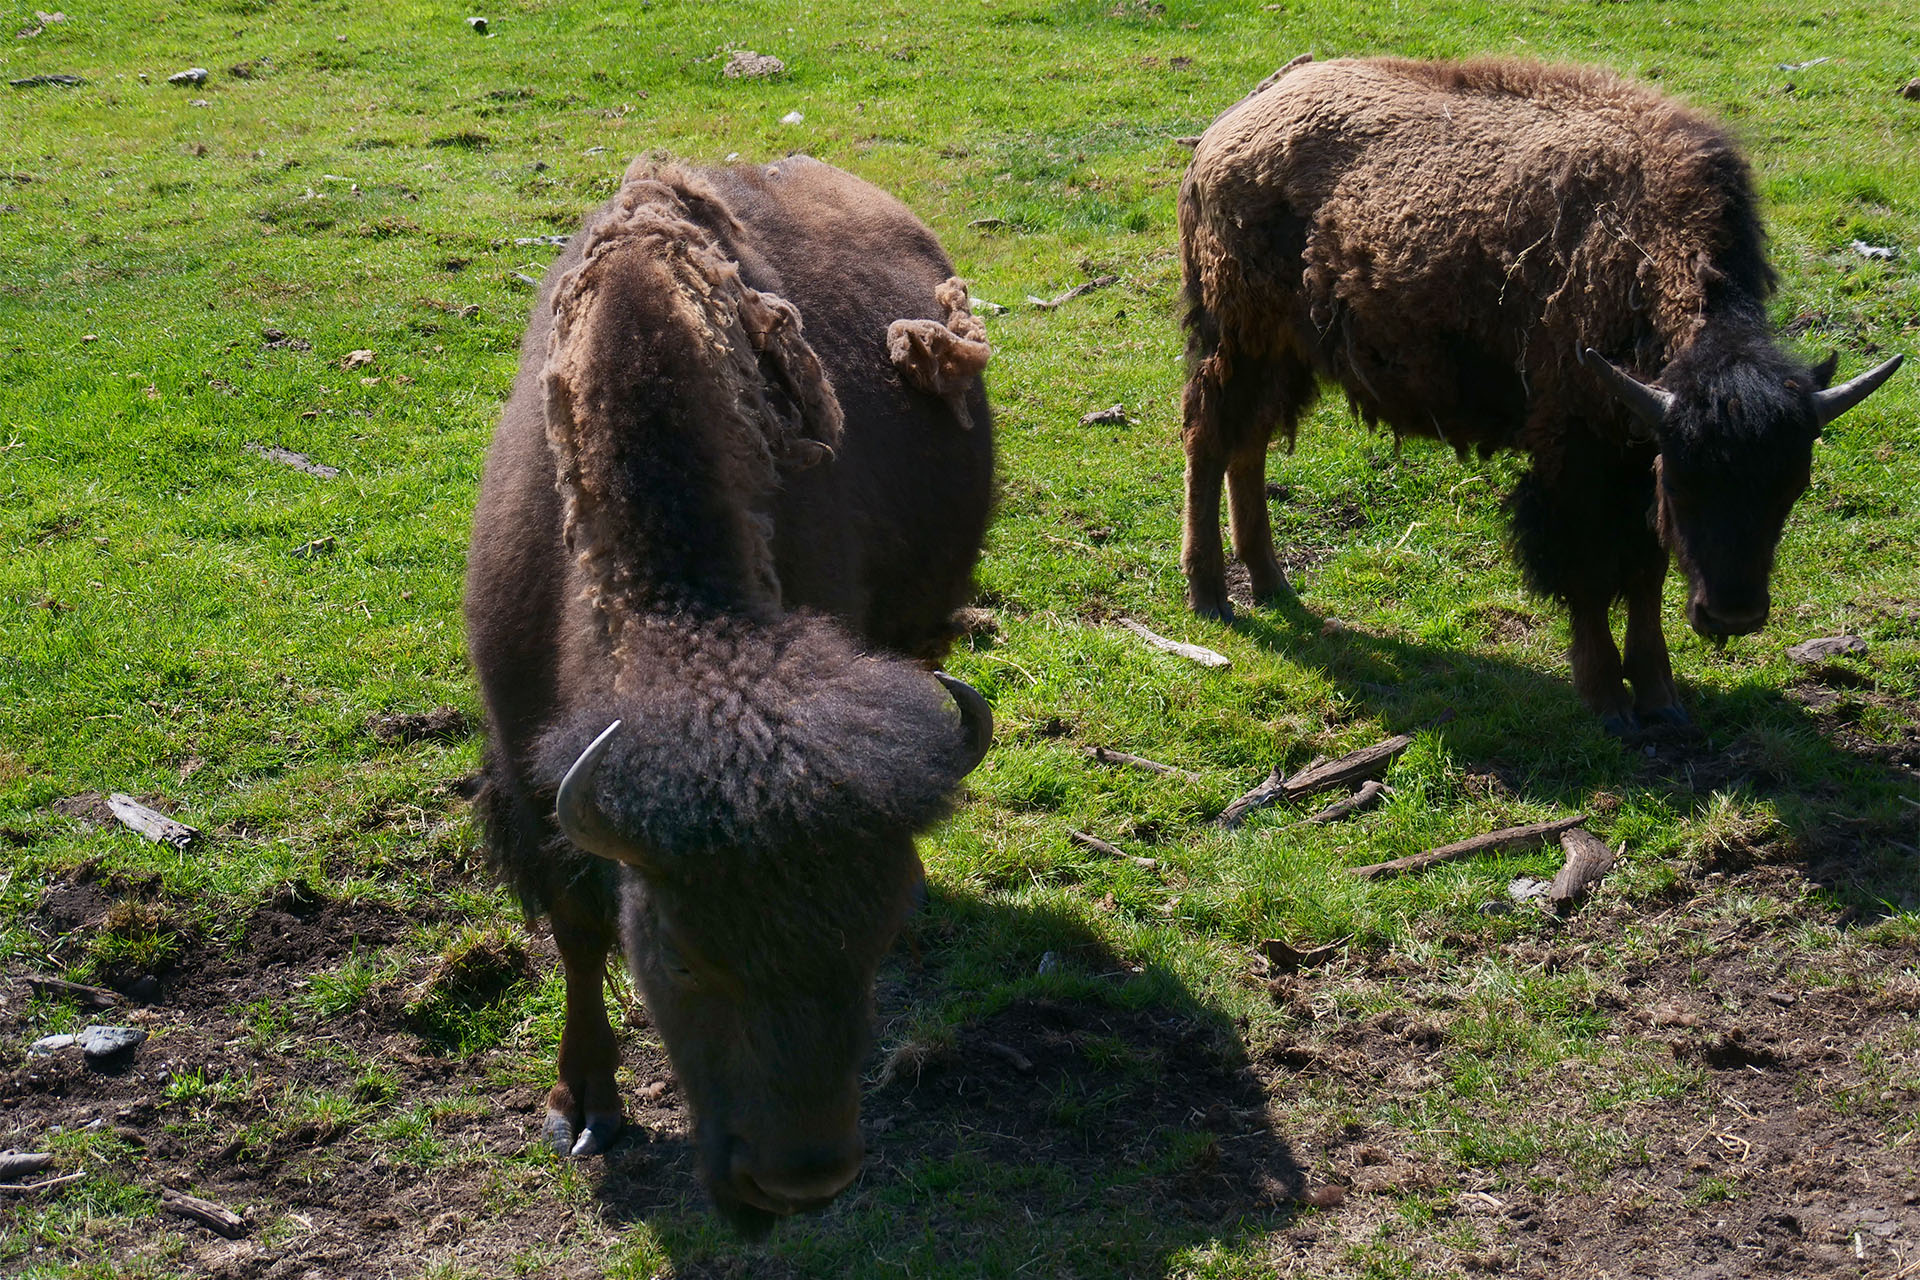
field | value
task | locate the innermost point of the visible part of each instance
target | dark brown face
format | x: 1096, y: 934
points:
x: 1722, y: 529
x: 764, y: 1003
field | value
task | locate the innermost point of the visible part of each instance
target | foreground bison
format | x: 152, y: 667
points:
x: 731, y: 507
x: 1482, y: 252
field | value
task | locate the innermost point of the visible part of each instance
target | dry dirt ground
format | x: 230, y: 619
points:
x: 1770, y: 1155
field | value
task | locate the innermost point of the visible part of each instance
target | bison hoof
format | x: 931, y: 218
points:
x: 1620, y: 724
x: 1669, y: 717
x: 591, y: 1139
x: 1214, y: 610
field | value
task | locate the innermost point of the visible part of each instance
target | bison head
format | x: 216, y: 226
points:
x: 764, y: 807
x: 1734, y: 423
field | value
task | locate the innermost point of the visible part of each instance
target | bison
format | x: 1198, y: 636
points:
x: 732, y: 505
x: 1505, y: 255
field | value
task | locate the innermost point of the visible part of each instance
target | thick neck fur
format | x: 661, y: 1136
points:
x: 675, y: 395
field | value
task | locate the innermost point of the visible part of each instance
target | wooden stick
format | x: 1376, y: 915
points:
x: 216, y: 1218
x: 1261, y: 796
x: 1326, y: 775
x: 1098, y: 282
x: 1505, y: 838
x: 1368, y: 795
x: 60, y: 988
x: 23, y: 1164
x: 1192, y: 652
x: 157, y: 827
x: 22, y: 1188
x: 1098, y: 845
x: 1106, y: 755
x: 1588, y: 858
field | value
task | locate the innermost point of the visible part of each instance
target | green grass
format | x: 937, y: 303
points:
x: 185, y: 620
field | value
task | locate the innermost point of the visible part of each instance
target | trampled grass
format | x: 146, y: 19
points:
x: 186, y: 272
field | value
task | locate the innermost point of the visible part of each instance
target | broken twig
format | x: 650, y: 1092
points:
x: 1287, y: 958
x: 1326, y: 775
x: 24, y: 1188
x: 1588, y: 858
x: 61, y: 989
x: 155, y: 826
x: 214, y: 1217
x: 1106, y: 755
x: 1503, y: 839
x: 1368, y: 795
x: 1192, y: 652
x: 1048, y: 304
x: 1098, y: 845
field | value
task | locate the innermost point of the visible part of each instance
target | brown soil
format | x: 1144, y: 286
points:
x: 1774, y: 1162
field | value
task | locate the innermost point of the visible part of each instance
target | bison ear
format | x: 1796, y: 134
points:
x: 1824, y: 371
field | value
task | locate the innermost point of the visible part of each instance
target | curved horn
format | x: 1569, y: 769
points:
x: 1834, y: 401
x: 1649, y: 404
x: 579, y: 815
x: 975, y: 716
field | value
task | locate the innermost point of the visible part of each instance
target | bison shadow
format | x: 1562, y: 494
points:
x: 1093, y: 1120
x: 1524, y: 731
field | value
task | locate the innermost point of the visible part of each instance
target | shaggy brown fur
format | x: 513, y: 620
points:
x: 717, y: 511
x: 1443, y: 241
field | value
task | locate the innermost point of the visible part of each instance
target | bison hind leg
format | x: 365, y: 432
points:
x: 1233, y: 405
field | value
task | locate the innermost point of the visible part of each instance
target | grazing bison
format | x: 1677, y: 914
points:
x: 1505, y: 255
x: 731, y: 508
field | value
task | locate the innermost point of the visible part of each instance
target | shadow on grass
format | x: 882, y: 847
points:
x: 1834, y: 787
x: 1094, y: 1120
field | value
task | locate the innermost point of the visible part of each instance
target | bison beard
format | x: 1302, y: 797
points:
x: 1480, y: 252
x: 719, y: 546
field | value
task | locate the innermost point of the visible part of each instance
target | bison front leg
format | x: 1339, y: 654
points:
x: 583, y: 1108
x: 1597, y: 673
x: 1656, y: 701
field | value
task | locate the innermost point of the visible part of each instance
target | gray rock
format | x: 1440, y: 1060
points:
x: 51, y: 1044
x: 192, y: 75
x: 1826, y: 647
x: 104, y: 1042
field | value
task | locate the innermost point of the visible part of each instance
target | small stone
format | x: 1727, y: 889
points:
x: 1049, y: 963
x: 51, y: 1044
x: 192, y: 75
x: 1496, y: 908
x: 1527, y: 889
x: 1811, y: 651
x: 104, y: 1042
x: 1911, y: 90
x: 792, y: 117
x: 745, y: 64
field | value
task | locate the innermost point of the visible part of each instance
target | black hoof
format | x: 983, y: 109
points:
x: 1619, y: 725
x: 1671, y: 717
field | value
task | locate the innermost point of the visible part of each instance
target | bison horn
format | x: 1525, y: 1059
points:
x: 579, y: 815
x: 1834, y: 401
x: 975, y: 716
x: 1649, y: 404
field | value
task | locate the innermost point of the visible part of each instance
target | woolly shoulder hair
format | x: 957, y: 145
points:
x: 666, y: 369
x: 768, y: 739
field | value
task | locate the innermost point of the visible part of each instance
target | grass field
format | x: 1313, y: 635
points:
x: 1086, y: 1066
